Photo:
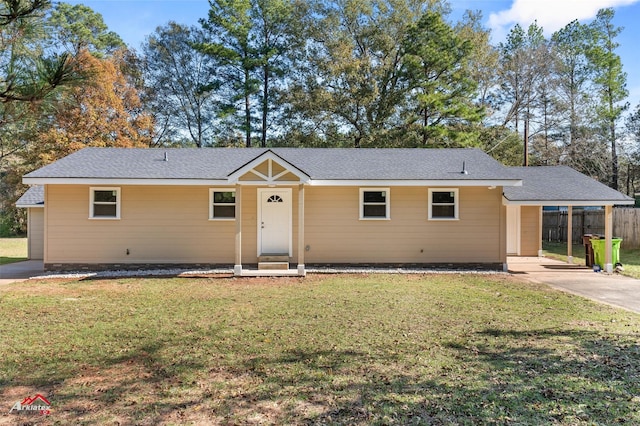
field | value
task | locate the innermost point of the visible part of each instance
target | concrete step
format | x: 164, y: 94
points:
x: 273, y: 258
x: 273, y: 265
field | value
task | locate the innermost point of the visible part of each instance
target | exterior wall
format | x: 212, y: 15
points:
x: 168, y: 224
x: 530, y: 232
x: 335, y: 234
x: 35, y: 233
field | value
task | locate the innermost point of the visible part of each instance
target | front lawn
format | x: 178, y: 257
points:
x: 378, y: 349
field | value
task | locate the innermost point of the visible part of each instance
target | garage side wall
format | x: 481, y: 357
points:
x: 530, y: 230
x: 35, y: 233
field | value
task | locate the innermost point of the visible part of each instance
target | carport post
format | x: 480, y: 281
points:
x: 608, y: 236
x: 569, y: 234
x: 237, y: 266
x: 540, y: 228
x: 301, y: 246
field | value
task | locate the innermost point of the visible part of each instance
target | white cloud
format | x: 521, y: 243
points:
x: 550, y: 14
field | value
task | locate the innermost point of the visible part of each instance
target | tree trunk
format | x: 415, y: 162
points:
x: 265, y: 104
x: 247, y: 109
x: 614, y: 156
x: 425, y: 123
x: 525, y: 160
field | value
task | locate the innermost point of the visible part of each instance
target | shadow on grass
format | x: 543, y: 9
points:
x: 510, y: 378
x: 7, y: 260
x: 494, y: 376
x: 132, y: 387
x: 594, y: 379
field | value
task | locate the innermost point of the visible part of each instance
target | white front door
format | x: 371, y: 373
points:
x: 513, y: 230
x: 274, y: 221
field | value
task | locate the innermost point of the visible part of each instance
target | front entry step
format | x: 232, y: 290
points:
x: 273, y: 265
x: 273, y: 262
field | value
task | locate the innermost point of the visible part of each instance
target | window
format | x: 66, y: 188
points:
x: 374, y: 203
x: 104, y: 203
x: 443, y: 204
x: 222, y: 204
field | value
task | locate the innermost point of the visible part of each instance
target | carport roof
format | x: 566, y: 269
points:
x: 560, y: 186
x: 34, y: 197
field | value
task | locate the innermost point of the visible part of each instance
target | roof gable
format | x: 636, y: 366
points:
x: 268, y: 167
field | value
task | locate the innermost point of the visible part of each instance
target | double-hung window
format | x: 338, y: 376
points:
x: 222, y: 204
x: 375, y: 203
x: 443, y: 204
x: 104, y: 203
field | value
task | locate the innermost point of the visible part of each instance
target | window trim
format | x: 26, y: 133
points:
x: 92, y: 193
x: 212, y: 191
x: 387, y: 203
x: 456, y: 203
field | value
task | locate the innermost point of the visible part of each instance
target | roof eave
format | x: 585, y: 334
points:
x: 318, y: 182
x: 416, y: 182
x: 554, y: 203
x: 122, y: 181
x: 29, y: 206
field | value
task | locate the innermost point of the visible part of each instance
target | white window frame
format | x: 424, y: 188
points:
x: 387, y: 203
x: 92, y: 192
x: 456, y: 203
x: 212, y: 191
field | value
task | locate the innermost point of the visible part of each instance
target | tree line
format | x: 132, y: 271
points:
x: 325, y: 73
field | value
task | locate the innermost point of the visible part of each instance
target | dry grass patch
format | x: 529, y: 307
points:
x: 379, y: 349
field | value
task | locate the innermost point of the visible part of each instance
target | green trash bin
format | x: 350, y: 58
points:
x: 599, y: 251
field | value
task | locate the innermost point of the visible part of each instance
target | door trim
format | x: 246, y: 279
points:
x: 290, y: 219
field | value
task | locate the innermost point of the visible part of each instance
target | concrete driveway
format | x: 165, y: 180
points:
x: 20, y: 271
x: 613, y: 289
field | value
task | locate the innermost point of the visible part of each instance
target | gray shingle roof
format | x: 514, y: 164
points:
x: 548, y: 184
x: 541, y: 185
x: 34, y: 197
x: 318, y: 163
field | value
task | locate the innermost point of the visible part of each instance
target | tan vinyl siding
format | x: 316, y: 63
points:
x: 530, y: 233
x: 35, y: 233
x: 250, y: 177
x: 167, y: 224
x: 288, y: 177
x: 335, y: 233
x: 170, y: 224
x: 263, y: 168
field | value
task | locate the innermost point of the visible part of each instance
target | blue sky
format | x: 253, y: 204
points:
x: 133, y: 20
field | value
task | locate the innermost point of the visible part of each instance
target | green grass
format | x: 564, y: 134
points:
x: 630, y: 258
x: 380, y: 349
x: 12, y: 250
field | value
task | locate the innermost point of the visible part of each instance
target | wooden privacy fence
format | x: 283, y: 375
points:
x: 626, y: 225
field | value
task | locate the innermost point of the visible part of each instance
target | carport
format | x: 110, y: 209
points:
x: 33, y: 201
x: 557, y: 186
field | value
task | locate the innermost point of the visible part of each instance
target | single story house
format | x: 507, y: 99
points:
x: 271, y: 211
